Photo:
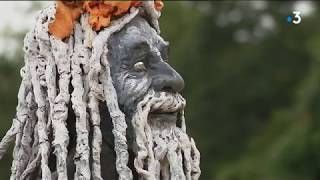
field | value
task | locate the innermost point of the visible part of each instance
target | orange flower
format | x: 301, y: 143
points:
x: 121, y: 7
x: 65, y: 16
x: 101, y: 13
x: 158, y: 5
x: 136, y: 3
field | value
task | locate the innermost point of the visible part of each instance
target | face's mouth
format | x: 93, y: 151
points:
x: 165, y: 108
x: 160, y: 116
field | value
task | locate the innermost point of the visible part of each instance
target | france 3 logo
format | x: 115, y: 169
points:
x: 295, y: 18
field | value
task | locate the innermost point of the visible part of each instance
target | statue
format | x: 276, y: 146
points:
x: 100, y: 100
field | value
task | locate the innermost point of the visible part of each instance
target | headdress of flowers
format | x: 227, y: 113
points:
x: 101, y: 13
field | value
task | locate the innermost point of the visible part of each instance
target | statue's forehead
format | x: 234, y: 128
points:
x: 136, y: 35
x: 139, y: 32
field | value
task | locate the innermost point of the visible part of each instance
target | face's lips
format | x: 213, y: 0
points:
x: 160, y: 111
x: 167, y: 110
x: 166, y: 107
x: 164, y: 113
x: 163, y: 116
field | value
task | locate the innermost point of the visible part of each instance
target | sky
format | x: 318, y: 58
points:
x: 15, y: 17
x: 15, y: 14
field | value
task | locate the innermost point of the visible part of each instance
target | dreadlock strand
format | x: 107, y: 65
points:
x: 186, y: 149
x: 18, y: 124
x: 118, y: 118
x: 31, y: 166
x: 153, y: 164
x: 195, y: 161
x: 35, y: 158
x: 153, y: 13
x: 22, y: 112
x: 42, y: 116
x: 95, y: 92
x: 79, y: 106
x: 14, y: 165
x: 184, y: 141
x: 139, y: 122
x: 60, y: 109
x: 31, y: 52
x: 164, y: 150
x: 24, y: 152
x: 44, y: 89
x: 53, y: 51
x: 50, y: 79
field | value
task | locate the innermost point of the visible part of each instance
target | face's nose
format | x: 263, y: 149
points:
x: 165, y: 78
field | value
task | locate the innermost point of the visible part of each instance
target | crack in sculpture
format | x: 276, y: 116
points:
x: 72, y: 88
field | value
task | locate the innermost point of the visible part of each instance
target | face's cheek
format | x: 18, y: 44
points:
x: 131, y: 88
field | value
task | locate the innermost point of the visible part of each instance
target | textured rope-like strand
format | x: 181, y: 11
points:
x: 153, y: 14
x: 24, y: 153
x: 35, y: 158
x: 118, y: 118
x: 60, y: 109
x: 41, y: 114
x: 22, y: 112
x: 139, y: 122
x: 79, y: 106
x: 94, y: 93
x: 164, y: 150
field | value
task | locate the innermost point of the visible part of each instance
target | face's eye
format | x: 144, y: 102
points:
x: 139, y: 66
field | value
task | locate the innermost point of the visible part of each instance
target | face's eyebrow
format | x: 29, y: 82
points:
x: 138, y: 50
x: 139, y: 45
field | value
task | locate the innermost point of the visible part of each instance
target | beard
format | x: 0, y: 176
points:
x: 162, y: 147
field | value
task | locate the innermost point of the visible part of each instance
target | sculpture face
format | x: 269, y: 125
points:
x: 138, y: 57
x: 148, y: 93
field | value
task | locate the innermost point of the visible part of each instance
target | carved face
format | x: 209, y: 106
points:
x: 139, y: 62
x: 148, y: 93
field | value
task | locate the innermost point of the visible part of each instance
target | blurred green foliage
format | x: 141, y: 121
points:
x: 253, y: 103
